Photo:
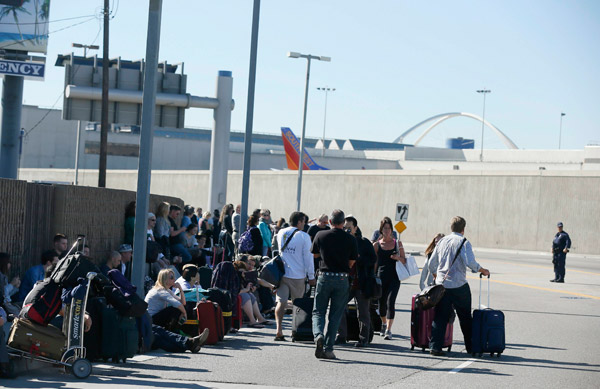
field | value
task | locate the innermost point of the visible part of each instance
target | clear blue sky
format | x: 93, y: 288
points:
x: 394, y: 63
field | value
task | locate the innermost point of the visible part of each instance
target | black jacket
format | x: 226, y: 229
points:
x: 365, y: 265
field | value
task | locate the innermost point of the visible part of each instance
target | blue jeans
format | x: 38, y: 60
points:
x: 179, y: 249
x: 335, y: 290
x: 168, y: 341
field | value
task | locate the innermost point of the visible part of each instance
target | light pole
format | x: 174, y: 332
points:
x: 484, y: 92
x: 85, y: 49
x: 308, y: 57
x: 327, y: 90
x: 560, y: 129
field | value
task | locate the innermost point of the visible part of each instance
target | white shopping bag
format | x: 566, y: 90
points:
x: 411, y: 265
x: 402, y: 271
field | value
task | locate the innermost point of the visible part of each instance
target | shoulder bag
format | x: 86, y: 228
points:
x: 432, y: 295
x: 274, y: 270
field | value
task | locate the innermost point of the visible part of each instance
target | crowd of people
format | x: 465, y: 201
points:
x: 328, y: 255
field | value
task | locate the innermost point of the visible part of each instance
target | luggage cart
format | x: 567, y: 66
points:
x: 74, y: 357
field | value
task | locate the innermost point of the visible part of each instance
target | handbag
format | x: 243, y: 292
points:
x: 411, y: 266
x: 432, y: 295
x: 377, y: 288
x: 274, y: 270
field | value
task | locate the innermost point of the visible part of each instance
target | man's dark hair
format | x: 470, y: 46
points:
x: 337, y: 217
x: 189, y: 273
x: 191, y: 227
x: 296, y: 217
x: 59, y: 237
x: 352, y: 220
x: 458, y: 224
x: 174, y: 207
x: 188, y: 210
x: 48, y: 256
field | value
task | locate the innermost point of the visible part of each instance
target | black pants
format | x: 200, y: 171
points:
x: 387, y: 302
x: 3, y: 350
x: 265, y: 296
x: 363, y: 306
x: 168, y: 341
x: 460, y: 298
x: 168, y: 318
x: 559, y: 261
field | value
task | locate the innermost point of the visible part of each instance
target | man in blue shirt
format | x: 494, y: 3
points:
x: 453, y: 275
x: 36, y: 273
x: 560, y: 247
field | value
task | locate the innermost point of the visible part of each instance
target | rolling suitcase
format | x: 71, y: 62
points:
x: 375, y: 318
x: 210, y: 316
x: 120, y: 336
x: 420, y: 327
x: 223, y: 298
x: 353, y: 324
x: 302, y: 317
x: 488, y: 328
x: 205, y: 276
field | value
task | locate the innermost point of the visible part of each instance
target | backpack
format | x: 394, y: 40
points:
x: 245, y: 242
x: 43, y: 303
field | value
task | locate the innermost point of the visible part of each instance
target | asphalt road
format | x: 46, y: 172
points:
x: 552, y: 333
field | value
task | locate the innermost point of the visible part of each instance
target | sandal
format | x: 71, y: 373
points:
x: 280, y: 339
x: 256, y: 325
x: 266, y: 322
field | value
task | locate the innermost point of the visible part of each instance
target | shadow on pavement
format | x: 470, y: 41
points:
x: 514, y: 346
x: 550, y: 313
x: 63, y: 381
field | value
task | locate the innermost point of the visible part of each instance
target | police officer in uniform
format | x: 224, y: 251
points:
x: 560, y: 248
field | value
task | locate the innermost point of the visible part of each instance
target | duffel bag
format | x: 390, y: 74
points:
x: 43, y: 302
x: 46, y: 341
x: 72, y: 267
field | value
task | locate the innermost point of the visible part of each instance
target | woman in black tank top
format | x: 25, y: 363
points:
x: 389, y: 252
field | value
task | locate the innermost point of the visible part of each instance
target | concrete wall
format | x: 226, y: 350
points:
x: 509, y: 210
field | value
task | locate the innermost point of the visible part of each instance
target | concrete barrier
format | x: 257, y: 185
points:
x: 506, y: 210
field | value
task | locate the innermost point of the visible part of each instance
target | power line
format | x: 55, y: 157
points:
x: 51, y: 32
x: 50, y: 21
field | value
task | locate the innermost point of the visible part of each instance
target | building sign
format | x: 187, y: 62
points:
x: 24, y: 25
x: 27, y: 69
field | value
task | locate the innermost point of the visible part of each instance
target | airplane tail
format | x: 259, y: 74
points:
x: 291, y: 144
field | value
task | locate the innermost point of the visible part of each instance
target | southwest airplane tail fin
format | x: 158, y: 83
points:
x: 291, y: 144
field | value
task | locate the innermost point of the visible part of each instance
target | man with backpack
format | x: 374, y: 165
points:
x: 298, y: 263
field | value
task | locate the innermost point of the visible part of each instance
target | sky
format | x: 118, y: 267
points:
x: 394, y: 63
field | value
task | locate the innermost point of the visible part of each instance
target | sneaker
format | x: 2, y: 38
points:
x: 388, y: 335
x: 552, y: 280
x: 319, y: 353
x: 329, y: 355
x: 383, y: 328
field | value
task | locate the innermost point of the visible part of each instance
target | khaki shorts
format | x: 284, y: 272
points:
x: 295, y: 287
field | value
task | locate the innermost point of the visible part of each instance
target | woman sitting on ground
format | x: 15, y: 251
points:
x: 167, y: 309
x: 249, y: 303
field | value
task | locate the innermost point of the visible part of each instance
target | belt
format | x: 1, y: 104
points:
x: 327, y: 273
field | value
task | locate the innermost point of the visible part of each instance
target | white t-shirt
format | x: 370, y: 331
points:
x: 297, y: 257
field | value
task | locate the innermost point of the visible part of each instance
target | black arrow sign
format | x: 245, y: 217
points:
x: 402, y: 211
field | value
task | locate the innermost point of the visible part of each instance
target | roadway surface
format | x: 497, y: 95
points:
x: 552, y: 336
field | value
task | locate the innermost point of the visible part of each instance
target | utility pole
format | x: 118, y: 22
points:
x: 326, y: 90
x: 560, y: 129
x: 104, y: 120
x: 484, y: 92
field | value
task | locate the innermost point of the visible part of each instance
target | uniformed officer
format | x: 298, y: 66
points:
x: 560, y: 248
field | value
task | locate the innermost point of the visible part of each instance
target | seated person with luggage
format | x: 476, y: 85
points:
x: 36, y: 273
x: 113, y: 262
x: 5, y: 370
x: 6, y: 286
x: 249, y: 302
x: 167, y: 309
x: 189, y: 277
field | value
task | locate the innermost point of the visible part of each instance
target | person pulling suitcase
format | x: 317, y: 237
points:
x: 448, y: 264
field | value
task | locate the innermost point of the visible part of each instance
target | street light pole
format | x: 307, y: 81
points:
x: 308, y: 57
x: 327, y: 90
x: 484, y: 92
x: 560, y: 129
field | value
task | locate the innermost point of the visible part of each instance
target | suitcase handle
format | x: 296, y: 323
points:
x: 488, y: 289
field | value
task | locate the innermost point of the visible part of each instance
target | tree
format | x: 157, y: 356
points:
x: 14, y: 11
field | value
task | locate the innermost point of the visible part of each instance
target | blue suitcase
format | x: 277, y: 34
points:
x: 488, y: 334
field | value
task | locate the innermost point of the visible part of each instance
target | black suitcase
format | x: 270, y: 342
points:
x: 119, y: 336
x: 205, y: 276
x: 302, y: 318
x: 375, y: 318
x: 72, y: 267
x: 353, y: 324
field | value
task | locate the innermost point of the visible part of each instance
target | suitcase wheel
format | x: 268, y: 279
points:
x: 449, y: 348
x: 480, y: 355
x: 491, y: 354
x: 412, y: 347
x: 498, y: 355
x: 81, y: 368
x: 422, y: 348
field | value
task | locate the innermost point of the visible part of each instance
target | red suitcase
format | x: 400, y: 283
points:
x: 210, y: 316
x: 420, y: 328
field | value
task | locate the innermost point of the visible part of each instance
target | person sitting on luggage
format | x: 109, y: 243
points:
x: 249, y: 302
x: 167, y: 309
x: 36, y: 273
x: 6, y: 286
x: 454, y: 278
x: 113, y: 262
x: 189, y: 277
x: 5, y: 369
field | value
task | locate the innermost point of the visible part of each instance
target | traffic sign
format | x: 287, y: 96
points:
x: 400, y: 226
x: 401, y: 212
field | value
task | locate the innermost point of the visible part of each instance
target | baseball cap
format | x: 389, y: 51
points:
x: 559, y: 224
x: 124, y: 248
